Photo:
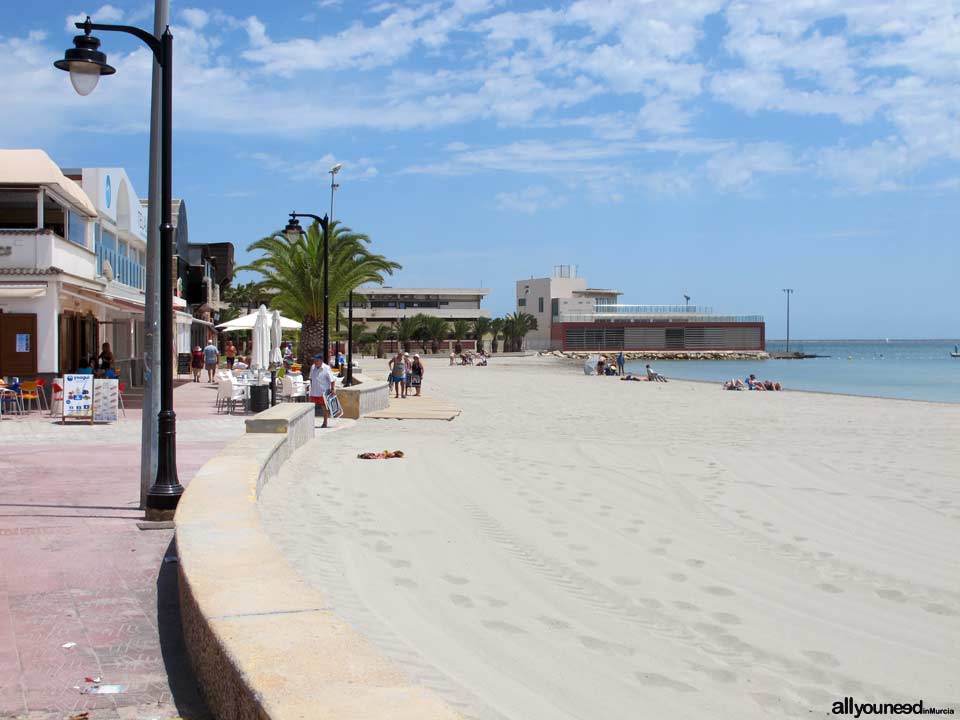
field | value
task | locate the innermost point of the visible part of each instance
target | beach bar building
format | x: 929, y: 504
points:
x: 386, y: 305
x: 573, y: 316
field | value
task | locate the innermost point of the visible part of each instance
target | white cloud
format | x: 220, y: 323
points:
x: 530, y: 200
x: 106, y: 14
x: 736, y: 169
x: 195, y: 17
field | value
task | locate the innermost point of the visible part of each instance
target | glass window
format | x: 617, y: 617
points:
x: 54, y: 217
x: 18, y: 209
x: 521, y: 302
x: 123, y: 249
x: 540, y: 305
x: 77, y: 229
x: 108, y: 240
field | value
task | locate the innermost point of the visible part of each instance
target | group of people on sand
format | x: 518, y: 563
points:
x: 752, y: 383
x: 405, y: 372
x: 468, y: 358
x: 651, y: 376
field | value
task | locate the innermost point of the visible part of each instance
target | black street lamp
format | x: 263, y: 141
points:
x: 294, y: 231
x: 86, y: 64
x: 349, y: 380
x: 789, y: 292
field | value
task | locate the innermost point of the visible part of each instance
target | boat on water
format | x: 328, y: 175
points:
x: 956, y: 351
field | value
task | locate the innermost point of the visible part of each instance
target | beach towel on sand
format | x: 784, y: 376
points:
x: 385, y: 455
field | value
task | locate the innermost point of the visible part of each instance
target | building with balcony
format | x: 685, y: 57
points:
x: 572, y: 316
x: 70, y: 267
x: 376, y: 306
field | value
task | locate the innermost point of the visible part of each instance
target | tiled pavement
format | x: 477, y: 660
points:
x: 75, y: 568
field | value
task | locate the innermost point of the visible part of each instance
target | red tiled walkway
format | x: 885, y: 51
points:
x: 74, y: 568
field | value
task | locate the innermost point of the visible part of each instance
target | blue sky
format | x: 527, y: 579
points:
x: 722, y: 149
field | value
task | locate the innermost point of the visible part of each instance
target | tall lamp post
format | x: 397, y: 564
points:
x: 293, y: 231
x: 334, y: 186
x: 789, y: 292
x: 86, y: 64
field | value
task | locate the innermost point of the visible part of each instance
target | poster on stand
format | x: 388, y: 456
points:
x: 106, y: 401
x: 78, y: 397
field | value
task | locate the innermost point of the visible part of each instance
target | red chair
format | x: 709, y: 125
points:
x: 57, y: 397
x: 120, y: 389
x: 41, y: 389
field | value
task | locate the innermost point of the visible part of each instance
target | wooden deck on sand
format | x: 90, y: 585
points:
x: 425, y: 407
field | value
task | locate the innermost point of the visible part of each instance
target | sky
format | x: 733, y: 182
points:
x: 723, y: 150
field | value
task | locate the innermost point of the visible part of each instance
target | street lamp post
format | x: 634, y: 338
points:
x: 86, y: 64
x: 349, y: 381
x: 334, y: 186
x: 294, y: 231
x: 789, y: 292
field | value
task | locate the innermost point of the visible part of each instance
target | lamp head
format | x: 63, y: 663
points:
x: 335, y: 169
x: 293, y: 231
x: 85, y: 62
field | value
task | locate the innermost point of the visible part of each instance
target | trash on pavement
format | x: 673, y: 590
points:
x: 105, y: 690
x: 68, y: 645
x: 92, y: 679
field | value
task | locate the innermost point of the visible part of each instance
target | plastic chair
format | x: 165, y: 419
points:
x: 29, y: 393
x: 120, y: 389
x: 57, y: 397
x: 44, y: 403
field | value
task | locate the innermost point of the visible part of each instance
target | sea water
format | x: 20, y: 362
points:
x: 911, y: 369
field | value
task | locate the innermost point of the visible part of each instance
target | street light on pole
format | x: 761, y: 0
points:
x: 86, y: 63
x: 789, y: 292
x: 333, y: 187
x: 293, y: 231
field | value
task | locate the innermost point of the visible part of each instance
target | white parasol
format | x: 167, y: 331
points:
x: 276, y: 356
x: 260, y: 356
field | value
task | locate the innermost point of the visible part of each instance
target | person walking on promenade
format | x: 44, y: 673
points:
x: 398, y: 375
x: 231, y: 353
x: 322, y: 382
x: 196, y: 362
x: 416, y: 373
x: 621, y: 361
x: 211, y: 358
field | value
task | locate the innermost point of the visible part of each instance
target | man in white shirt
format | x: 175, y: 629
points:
x: 322, y: 382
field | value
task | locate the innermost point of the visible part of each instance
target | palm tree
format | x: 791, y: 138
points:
x: 480, y: 328
x: 436, y: 328
x: 516, y: 326
x: 293, y: 272
x: 380, y: 335
x: 420, y: 333
x: 406, y: 329
x: 460, y: 330
x: 496, y: 327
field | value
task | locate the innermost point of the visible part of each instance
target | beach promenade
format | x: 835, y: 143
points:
x: 85, y: 593
x: 581, y: 547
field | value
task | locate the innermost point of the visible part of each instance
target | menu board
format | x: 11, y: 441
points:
x: 183, y: 363
x: 106, y: 400
x: 78, y: 396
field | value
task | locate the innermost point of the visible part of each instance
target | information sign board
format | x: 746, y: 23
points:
x: 106, y: 400
x: 78, y: 397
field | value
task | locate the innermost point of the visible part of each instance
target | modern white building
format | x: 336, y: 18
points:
x: 572, y: 316
x: 385, y: 305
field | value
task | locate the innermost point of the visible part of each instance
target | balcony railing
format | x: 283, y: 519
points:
x: 125, y: 271
x: 654, y: 309
x: 650, y: 317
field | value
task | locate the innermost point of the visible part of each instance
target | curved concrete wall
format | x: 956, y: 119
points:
x: 262, y: 643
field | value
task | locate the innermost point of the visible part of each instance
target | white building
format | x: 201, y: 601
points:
x: 71, y: 267
x: 385, y: 305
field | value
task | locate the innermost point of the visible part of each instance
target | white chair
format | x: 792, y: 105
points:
x: 228, y: 394
x: 293, y: 388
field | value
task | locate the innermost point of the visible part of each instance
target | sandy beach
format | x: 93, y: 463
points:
x: 581, y: 547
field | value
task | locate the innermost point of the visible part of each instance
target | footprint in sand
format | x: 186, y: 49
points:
x: 397, y: 563
x: 658, y: 551
x: 495, y: 602
x: 827, y: 587
x: 454, y: 580
x: 504, y: 627
x: 405, y: 582
x: 461, y: 601
x: 821, y: 658
x: 607, y: 648
x: 718, y: 674
x: 718, y: 590
x: 684, y: 605
x: 938, y: 609
x: 696, y: 562
x: 677, y: 577
x: 585, y: 562
x: 554, y: 623
x: 726, y: 618
x: 657, y: 680
x: 382, y: 547
x: 889, y: 594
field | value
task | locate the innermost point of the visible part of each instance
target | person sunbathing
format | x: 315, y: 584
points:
x: 634, y: 378
x: 733, y: 384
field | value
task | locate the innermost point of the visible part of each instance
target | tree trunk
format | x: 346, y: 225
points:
x: 379, y: 348
x: 493, y: 344
x: 311, y: 339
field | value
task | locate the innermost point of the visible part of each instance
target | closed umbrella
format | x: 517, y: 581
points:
x: 261, y: 339
x: 276, y: 357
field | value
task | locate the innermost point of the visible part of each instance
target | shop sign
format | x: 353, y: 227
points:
x: 78, y: 396
x: 106, y: 400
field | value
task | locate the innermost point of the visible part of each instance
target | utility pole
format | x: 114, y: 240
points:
x: 789, y: 292
x: 152, y: 310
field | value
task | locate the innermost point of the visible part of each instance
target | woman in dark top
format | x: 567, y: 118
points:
x: 416, y: 373
x: 196, y: 362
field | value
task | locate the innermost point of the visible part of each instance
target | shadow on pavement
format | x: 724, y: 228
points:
x: 183, y: 683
